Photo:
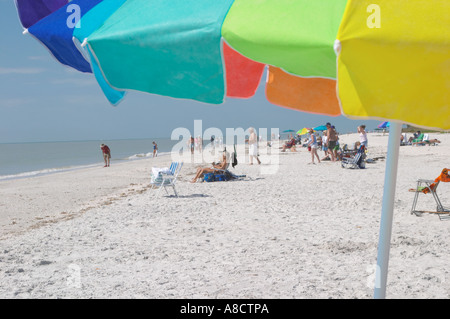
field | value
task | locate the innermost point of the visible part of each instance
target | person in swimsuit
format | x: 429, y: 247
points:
x: 216, y: 167
x: 331, y: 141
x: 155, y: 149
x: 314, y: 146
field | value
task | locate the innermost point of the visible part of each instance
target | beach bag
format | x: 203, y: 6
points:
x: 156, y: 176
x: 209, y: 177
x: 219, y: 178
x: 228, y: 176
x: 362, y: 164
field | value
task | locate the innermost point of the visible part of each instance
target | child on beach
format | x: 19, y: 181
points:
x: 314, y: 146
x: 324, y: 144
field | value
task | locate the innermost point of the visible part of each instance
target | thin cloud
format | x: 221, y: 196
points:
x: 21, y: 70
x: 15, y: 102
x: 37, y: 57
x: 76, y: 82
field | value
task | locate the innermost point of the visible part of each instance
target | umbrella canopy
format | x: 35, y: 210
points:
x: 386, y: 68
x: 31, y: 11
x: 288, y: 131
x: 54, y: 33
x: 207, y: 51
x: 320, y: 128
x: 303, y: 131
x: 387, y: 86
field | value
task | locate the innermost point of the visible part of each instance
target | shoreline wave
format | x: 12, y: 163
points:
x: 62, y: 169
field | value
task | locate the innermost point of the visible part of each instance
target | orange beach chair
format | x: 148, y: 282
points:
x: 429, y: 187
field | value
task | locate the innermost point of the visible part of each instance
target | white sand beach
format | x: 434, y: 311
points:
x: 296, y: 231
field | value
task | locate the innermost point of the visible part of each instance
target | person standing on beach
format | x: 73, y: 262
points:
x: 313, y: 144
x: 336, y: 148
x: 331, y: 141
x: 155, y: 149
x: 324, y: 143
x: 362, y: 135
x: 253, y: 146
x: 192, y: 144
x: 106, y: 154
x: 213, y: 148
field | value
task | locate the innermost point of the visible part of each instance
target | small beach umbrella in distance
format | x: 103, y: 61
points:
x: 375, y: 44
x: 303, y: 131
x: 320, y: 128
x: 383, y: 125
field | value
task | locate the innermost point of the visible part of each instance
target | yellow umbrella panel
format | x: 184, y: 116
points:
x: 394, y: 61
x: 303, y: 131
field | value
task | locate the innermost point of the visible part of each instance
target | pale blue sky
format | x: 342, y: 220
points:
x: 42, y: 100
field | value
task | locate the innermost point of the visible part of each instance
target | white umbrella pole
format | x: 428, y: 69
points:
x: 387, y: 211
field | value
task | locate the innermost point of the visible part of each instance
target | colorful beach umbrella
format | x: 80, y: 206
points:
x: 355, y: 58
x: 303, y: 131
x: 383, y: 125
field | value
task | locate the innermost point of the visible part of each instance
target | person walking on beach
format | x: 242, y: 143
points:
x: 155, y: 149
x: 106, y: 154
x: 331, y: 141
x: 314, y: 146
x: 253, y: 146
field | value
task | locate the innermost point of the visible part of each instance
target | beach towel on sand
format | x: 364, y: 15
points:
x: 156, y: 173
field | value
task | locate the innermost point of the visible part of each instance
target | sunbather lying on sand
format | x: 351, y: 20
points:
x: 429, y: 142
x: 202, y: 171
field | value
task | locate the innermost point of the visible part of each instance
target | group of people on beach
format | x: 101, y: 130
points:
x: 195, y: 144
x: 223, y: 164
x: 329, y: 142
x: 418, y: 138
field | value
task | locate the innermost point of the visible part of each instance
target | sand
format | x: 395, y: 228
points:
x: 288, y: 230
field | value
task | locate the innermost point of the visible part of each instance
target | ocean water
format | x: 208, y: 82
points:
x: 33, y: 159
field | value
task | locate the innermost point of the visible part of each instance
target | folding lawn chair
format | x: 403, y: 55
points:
x: 165, y: 179
x: 429, y: 186
x: 356, y: 161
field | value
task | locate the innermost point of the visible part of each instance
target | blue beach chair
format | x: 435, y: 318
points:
x: 164, y: 180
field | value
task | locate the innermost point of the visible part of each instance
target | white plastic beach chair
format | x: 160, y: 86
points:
x: 405, y: 139
x: 165, y: 179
